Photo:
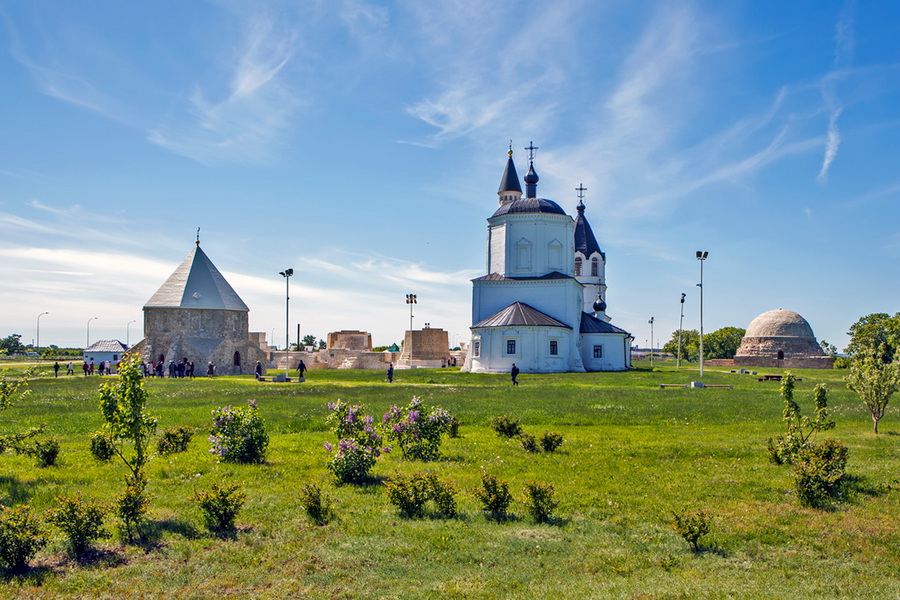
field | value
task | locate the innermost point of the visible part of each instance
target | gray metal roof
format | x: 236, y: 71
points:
x: 520, y: 313
x: 585, y: 242
x: 530, y: 205
x: 196, y: 283
x: 107, y: 346
x: 499, y: 277
x: 591, y: 324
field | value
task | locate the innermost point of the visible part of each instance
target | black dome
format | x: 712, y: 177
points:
x: 599, y: 305
x: 530, y: 205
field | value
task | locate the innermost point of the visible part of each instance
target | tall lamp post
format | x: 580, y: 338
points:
x: 410, y: 299
x: 127, y: 339
x: 88, y: 340
x: 38, y: 332
x: 701, y: 256
x: 287, y: 331
x: 680, y: 328
x: 651, y: 343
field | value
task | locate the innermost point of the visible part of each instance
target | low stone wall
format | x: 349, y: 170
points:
x: 814, y: 362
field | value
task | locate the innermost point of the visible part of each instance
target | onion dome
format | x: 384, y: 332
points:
x: 599, y: 305
x: 531, y: 181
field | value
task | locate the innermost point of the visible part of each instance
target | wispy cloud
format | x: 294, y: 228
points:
x: 843, y: 57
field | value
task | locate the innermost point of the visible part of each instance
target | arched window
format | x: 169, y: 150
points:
x: 577, y: 266
x: 781, y: 355
x: 237, y: 359
x: 595, y: 267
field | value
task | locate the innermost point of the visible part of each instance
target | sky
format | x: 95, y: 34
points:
x: 361, y: 144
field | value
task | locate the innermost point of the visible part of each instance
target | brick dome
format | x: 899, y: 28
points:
x: 779, y: 334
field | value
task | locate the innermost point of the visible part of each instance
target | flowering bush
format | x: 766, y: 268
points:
x: 359, y: 446
x: 239, y: 434
x: 417, y: 429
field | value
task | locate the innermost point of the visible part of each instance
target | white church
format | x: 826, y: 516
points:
x: 542, y: 304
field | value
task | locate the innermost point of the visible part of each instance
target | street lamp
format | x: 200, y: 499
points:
x: 410, y: 299
x: 680, y: 328
x: 701, y: 256
x: 88, y: 341
x: 287, y: 331
x: 127, y: 325
x: 38, y: 333
x: 651, y: 343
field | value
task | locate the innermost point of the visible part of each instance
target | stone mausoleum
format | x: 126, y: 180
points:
x: 784, y: 339
x: 196, y: 315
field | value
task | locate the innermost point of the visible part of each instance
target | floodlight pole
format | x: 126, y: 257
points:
x: 680, y: 327
x: 651, y: 343
x: 38, y: 333
x: 287, y: 327
x: 127, y: 337
x: 87, y: 345
x: 701, y: 256
x: 411, y: 299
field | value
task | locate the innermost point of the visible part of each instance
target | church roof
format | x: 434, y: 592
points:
x: 499, y: 277
x: 519, y: 313
x: 585, y: 242
x: 196, y: 283
x: 591, y: 324
x: 510, y: 180
x: 530, y: 205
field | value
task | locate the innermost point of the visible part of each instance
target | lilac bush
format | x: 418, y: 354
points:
x: 417, y: 429
x: 359, y: 444
x: 239, y: 434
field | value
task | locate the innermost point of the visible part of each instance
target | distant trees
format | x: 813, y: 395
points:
x: 11, y: 344
x: 722, y: 343
x: 876, y: 335
x: 308, y: 340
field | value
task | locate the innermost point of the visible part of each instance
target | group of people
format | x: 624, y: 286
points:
x: 183, y: 368
x: 56, y: 367
x: 104, y: 368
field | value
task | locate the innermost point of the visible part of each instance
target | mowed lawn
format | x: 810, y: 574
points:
x: 633, y: 453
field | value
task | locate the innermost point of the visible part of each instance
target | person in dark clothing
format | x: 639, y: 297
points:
x: 56, y: 369
x: 390, y: 373
x: 301, y: 368
x: 258, y: 370
x: 514, y: 372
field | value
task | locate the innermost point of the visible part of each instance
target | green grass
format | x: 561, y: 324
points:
x: 632, y: 454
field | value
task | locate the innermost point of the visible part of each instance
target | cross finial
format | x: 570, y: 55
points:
x: 531, y: 148
x: 581, y: 190
x: 198, y: 236
x: 510, y: 148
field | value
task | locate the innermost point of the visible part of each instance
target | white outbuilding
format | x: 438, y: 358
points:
x: 542, y: 303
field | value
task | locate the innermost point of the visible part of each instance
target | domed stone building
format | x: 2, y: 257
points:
x: 781, y: 338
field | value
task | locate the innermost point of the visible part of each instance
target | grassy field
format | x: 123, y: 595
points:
x: 632, y: 454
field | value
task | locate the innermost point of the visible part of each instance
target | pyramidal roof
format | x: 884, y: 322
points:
x: 510, y: 180
x: 196, y: 283
x: 585, y: 242
x: 519, y: 313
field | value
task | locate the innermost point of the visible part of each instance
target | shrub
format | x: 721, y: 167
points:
x: 529, y: 442
x: 174, y: 440
x: 239, y: 434
x: 409, y: 494
x: 45, y: 452
x: 551, y: 440
x: 81, y: 522
x: 494, y: 495
x: 454, y: 428
x: 220, y: 505
x: 102, y: 446
x: 360, y: 445
x: 131, y: 505
x: 316, y: 504
x: 417, y: 429
x: 505, y: 426
x: 819, y: 472
x: 801, y: 430
x: 539, y: 501
x: 774, y: 452
x: 692, y: 526
x: 21, y: 536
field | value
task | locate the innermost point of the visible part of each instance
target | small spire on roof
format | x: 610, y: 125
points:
x: 198, y: 236
x: 510, y: 148
x: 581, y: 190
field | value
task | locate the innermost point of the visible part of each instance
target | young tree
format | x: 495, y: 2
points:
x: 12, y: 387
x: 876, y: 335
x: 801, y: 429
x: 723, y: 343
x: 874, y: 382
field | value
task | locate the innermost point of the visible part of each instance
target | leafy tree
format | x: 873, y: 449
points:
x: 321, y: 344
x: 874, y: 382
x: 723, y: 343
x: 690, y: 345
x: 308, y: 340
x: 829, y: 349
x: 12, y: 387
x: 876, y: 335
x: 11, y: 344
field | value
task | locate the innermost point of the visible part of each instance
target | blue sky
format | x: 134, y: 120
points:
x: 361, y: 143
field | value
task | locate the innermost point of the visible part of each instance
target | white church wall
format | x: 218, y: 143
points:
x: 615, y: 352
x: 559, y: 298
x: 532, y: 353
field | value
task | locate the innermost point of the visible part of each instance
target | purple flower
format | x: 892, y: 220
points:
x: 328, y: 447
x: 252, y: 403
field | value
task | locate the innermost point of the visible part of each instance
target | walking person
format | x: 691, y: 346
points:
x: 390, y: 373
x: 56, y: 369
x: 514, y: 372
x: 258, y: 370
x: 69, y: 369
x: 210, y: 369
x: 301, y: 369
